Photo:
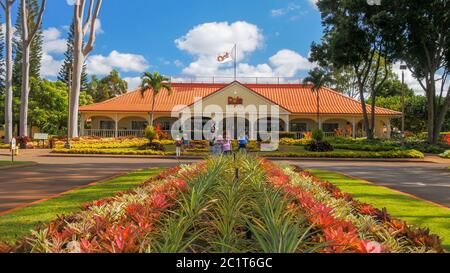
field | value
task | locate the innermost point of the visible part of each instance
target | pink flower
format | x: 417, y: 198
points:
x: 372, y: 247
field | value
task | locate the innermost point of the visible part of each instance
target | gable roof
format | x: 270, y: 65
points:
x: 295, y: 98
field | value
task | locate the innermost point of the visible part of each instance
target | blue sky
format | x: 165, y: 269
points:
x: 183, y: 38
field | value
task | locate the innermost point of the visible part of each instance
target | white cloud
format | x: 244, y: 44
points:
x: 52, y: 41
x: 53, y: 45
x: 133, y: 82
x: 292, y: 10
x: 313, y: 2
x: 413, y: 83
x: 211, y: 39
x: 287, y: 63
x: 124, y: 62
x: 50, y: 67
x: 206, y: 41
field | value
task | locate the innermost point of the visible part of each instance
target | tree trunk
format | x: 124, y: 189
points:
x: 74, y: 96
x: 25, y: 91
x: 431, y: 108
x: 9, y: 75
x: 153, y: 110
x: 80, y: 53
x: 364, y: 110
x: 318, y: 110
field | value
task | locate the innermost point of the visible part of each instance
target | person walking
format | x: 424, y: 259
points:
x: 217, y: 148
x: 243, y: 141
x: 178, y: 144
x: 185, y: 142
x: 227, y: 146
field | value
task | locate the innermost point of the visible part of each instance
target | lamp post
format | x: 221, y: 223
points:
x: 403, y: 68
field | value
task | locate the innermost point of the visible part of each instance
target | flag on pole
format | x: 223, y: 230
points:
x: 228, y: 56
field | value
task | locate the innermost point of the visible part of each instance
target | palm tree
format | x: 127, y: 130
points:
x: 318, y: 77
x: 154, y: 82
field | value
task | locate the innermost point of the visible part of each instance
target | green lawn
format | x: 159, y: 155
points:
x: 414, y: 211
x: 16, y: 163
x: 22, y: 221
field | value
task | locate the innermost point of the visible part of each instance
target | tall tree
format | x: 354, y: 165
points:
x: 28, y: 33
x: 420, y: 33
x: 81, y: 27
x: 318, y: 78
x: 154, y: 83
x: 66, y: 68
x: 110, y: 86
x: 35, y: 47
x: 7, y: 5
x: 352, y: 38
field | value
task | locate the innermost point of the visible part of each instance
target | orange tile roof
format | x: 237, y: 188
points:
x: 296, y: 98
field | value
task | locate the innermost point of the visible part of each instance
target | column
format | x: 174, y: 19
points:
x: 82, y: 124
x: 354, y: 127
x: 116, y: 128
x: 288, y: 123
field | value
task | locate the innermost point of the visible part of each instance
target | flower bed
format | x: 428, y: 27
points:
x: 118, y: 224
x: 297, y: 142
x: 351, y: 154
x: 4, y: 146
x: 109, y: 152
x: 227, y: 205
x: 350, y: 225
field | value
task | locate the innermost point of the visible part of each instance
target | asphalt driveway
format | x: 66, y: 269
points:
x: 429, y: 181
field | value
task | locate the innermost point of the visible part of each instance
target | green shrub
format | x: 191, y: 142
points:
x: 318, y: 135
x: 155, y: 146
x: 288, y: 135
x: 150, y: 133
x: 366, y: 147
x: 319, y: 146
x: 446, y: 154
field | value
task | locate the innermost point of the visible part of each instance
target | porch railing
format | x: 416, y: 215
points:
x: 107, y: 133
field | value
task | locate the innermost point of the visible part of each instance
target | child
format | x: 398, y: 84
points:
x: 226, y: 146
x: 178, y: 144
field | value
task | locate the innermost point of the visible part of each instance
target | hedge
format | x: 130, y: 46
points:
x: 445, y: 154
x: 351, y: 154
x: 368, y: 148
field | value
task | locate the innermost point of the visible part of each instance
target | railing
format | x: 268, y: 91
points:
x: 247, y: 80
x: 107, y: 133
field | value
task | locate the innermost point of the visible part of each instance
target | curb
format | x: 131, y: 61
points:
x: 19, y: 166
x: 125, y: 156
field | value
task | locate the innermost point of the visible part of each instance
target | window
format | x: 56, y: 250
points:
x: 107, y: 125
x: 299, y: 127
x: 138, y: 125
x: 330, y: 127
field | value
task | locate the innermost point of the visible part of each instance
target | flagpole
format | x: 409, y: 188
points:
x: 235, y: 62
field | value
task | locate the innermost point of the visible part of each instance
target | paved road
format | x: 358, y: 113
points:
x: 20, y: 186
x: 55, y: 175
x: 429, y: 181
